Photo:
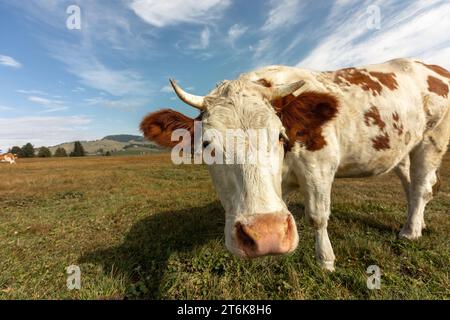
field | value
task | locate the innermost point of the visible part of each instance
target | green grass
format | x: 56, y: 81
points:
x: 140, y: 227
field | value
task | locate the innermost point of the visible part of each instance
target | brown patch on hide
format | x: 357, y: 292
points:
x: 304, y: 116
x: 395, y: 117
x: 357, y: 77
x: 279, y: 104
x: 264, y: 83
x: 439, y: 70
x: 373, y: 117
x: 158, y: 126
x: 387, y: 79
x: 381, y: 142
x: 398, y: 126
x: 437, y: 86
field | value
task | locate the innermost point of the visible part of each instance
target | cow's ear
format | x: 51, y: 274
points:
x: 158, y: 126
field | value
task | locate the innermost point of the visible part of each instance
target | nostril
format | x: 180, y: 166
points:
x: 245, y: 240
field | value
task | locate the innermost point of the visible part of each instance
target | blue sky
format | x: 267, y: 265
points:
x: 58, y: 84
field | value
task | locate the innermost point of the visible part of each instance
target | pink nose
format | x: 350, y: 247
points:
x: 264, y: 234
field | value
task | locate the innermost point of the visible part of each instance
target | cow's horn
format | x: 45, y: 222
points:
x: 284, y: 90
x: 192, y: 100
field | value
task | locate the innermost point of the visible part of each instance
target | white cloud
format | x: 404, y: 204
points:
x: 38, y: 94
x: 9, y: 62
x: 78, y: 89
x: 106, y: 22
x: 127, y: 104
x: 44, y: 101
x: 114, y: 29
x: 5, y: 108
x: 235, y: 32
x: 164, y: 13
x: 94, y: 74
x: 204, y: 38
x: 34, y: 92
x: 203, y: 43
x: 115, y: 82
x: 282, y: 14
x: 166, y: 89
x: 417, y: 29
x: 43, y: 130
x: 55, y: 109
x: 262, y: 48
x: 50, y: 105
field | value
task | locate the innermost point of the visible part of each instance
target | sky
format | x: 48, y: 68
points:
x: 64, y: 79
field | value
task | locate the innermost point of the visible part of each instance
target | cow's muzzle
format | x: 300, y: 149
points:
x: 266, y: 234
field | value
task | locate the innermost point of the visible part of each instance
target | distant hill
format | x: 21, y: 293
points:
x: 116, y: 144
x: 124, y: 138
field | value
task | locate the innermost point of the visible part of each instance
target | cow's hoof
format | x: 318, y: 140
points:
x: 327, y: 265
x: 410, y: 235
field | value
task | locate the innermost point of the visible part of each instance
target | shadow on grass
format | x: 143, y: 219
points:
x: 143, y: 255
x: 142, y: 258
x: 381, y: 222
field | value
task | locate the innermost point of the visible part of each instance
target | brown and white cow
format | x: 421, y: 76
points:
x: 354, y: 122
x: 8, y: 157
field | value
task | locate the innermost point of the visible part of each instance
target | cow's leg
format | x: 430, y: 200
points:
x: 317, y: 193
x: 425, y: 161
x: 402, y: 171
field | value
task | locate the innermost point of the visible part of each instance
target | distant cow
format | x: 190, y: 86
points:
x: 353, y: 122
x: 8, y: 157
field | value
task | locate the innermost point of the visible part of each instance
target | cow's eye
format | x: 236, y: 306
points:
x: 281, y: 137
x: 205, y: 144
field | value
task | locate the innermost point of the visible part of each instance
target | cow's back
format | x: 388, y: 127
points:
x: 384, y: 109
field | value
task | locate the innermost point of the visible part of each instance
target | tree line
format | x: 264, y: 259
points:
x: 28, y: 151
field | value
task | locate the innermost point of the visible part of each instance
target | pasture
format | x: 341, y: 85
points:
x: 140, y: 227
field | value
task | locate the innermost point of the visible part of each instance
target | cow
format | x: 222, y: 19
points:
x: 353, y: 122
x: 8, y: 157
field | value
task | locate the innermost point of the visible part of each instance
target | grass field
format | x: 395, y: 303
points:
x: 140, y: 227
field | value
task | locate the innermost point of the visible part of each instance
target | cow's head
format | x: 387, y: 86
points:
x: 257, y: 220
